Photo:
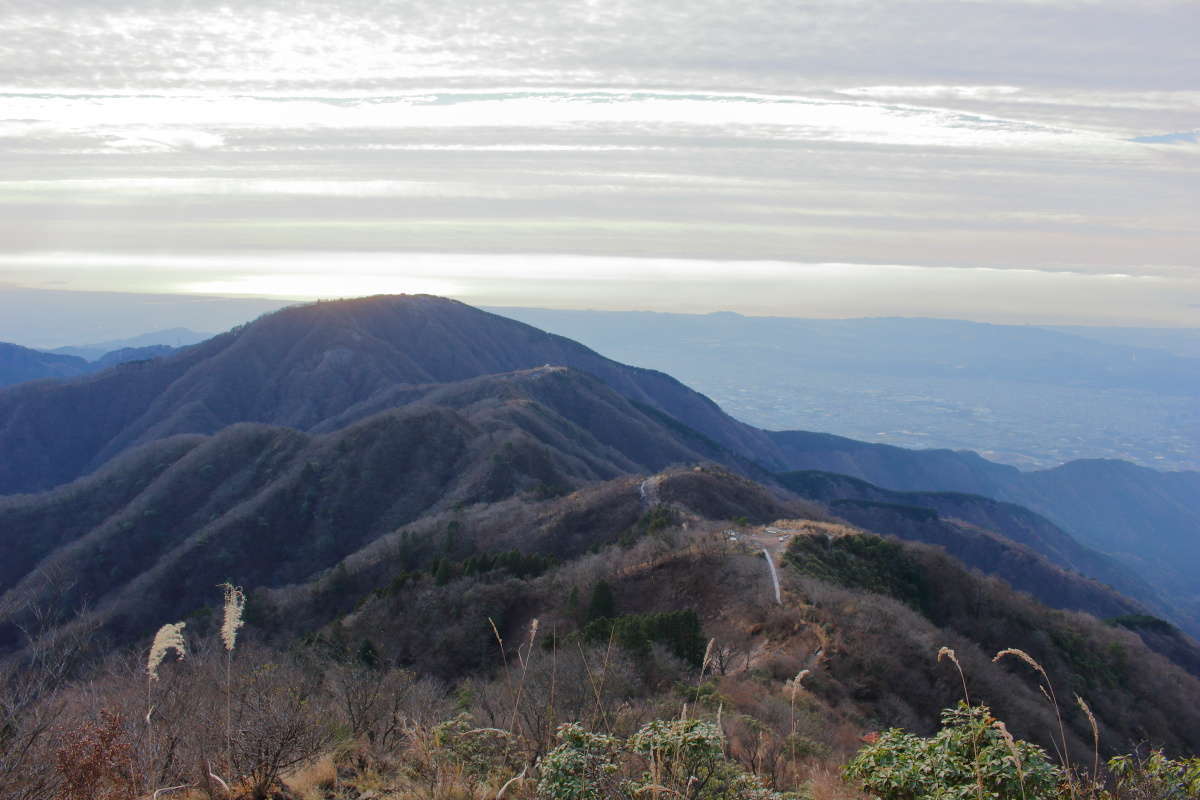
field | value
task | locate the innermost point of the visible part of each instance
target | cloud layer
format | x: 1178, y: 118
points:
x: 956, y: 139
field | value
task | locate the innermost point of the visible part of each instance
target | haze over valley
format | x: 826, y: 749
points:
x: 1022, y: 395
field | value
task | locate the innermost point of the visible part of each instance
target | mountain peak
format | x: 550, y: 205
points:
x: 310, y: 367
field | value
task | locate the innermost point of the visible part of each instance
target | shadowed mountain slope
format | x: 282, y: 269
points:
x: 155, y: 529
x: 1014, y: 522
x: 150, y: 533
x: 313, y: 367
x: 1147, y: 519
x: 325, y: 366
x: 19, y: 364
x: 125, y: 354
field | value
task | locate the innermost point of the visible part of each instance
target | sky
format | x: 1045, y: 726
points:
x: 1031, y: 161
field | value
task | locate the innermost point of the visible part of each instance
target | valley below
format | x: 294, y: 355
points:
x: 1023, y: 395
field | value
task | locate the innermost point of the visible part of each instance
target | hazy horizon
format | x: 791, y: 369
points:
x: 48, y: 318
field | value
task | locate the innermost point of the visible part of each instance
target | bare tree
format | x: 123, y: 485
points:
x: 278, y: 723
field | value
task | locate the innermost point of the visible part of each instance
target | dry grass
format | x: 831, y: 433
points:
x: 825, y: 783
x: 946, y: 652
x: 1052, y: 698
x: 833, y: 529
x: 311, y: 781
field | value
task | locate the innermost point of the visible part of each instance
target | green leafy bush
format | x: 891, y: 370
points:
x: 582, y: 767
x: 686, y: 758
x: 683, y: 758
x: 971, y: 757
x: 1156, y: 777
x: 478, y: 752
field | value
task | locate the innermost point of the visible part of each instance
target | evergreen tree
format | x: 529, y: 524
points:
x: 573, y: 609
x: 367, y: 655
x: 443, y: 572
x: 603, y: 604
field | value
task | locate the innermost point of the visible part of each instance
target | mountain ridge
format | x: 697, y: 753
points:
x: 279, y: 504
x: 323, y: 367
x: 301, y: 366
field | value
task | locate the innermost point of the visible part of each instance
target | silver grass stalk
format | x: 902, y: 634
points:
x: 705, y: 663
x: 1095, y: 736
x: 946, y: 652
x: 708, y: 657
x: 533, y: 630
x: 1014, y: 753
x: 169, y: 637
x: 800, y: 676
x: 1048, y: 691
x: 797, y: 681
x: 524, y: 661
x: 235, y: 603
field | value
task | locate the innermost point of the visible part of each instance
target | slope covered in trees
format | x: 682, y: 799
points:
x: 456, y: 681
x: 269, y: 505
x: 321, y: 368
x: 314, y: 367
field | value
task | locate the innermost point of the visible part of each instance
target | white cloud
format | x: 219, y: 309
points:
x: 1049, y: 134
x: 163, y: 139
x: 564, y: 281
x: 125, y: 121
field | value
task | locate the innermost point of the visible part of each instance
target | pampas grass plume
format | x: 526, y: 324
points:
x: 1095, y: 735
x: 169, y: 637
x: 946, y: 652
x: 235, y: 603
x: 1021, y: 654
x: 796, y: 681
x: 1011, y: 744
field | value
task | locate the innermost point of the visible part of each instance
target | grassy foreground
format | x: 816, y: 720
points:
x: 583, y: 702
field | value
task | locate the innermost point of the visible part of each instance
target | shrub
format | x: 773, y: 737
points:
x: 1156, y: 777
x: 277, y: 726
x: 582, y: 767
x: 95, y: 761
x: 477, y: 752
x: 971, y: 757
x: 685, y: 759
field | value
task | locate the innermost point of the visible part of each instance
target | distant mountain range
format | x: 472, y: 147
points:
x: 1147, y: 519
x: 20, y: 364
x: 1029, y: 396
x: 169, y: 338
x: 49, y: 318
x: 279, y: 448
x: 1183, y: 342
